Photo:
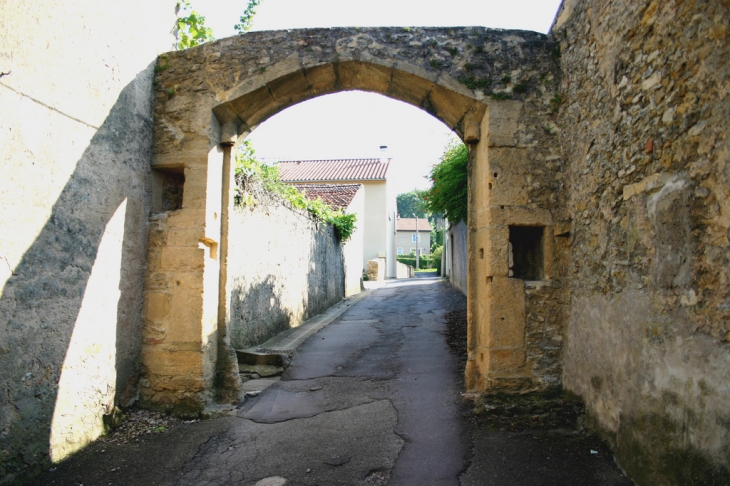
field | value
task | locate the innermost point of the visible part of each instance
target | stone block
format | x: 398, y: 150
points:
x: 182, y: 259
x: 322, y: 78
x: 506, y: 297
x: 368, y: 77
x: 507, y: 179
x: 449, y: 106
x: 497, y: 250
x: 510, y: 359
x: 409, y: 88
x: 185, y: 318
x: 186, y: 218
x: 254, y: 107
x: 189, y: 237
x: 290, y: 88
x: 503, y: 116
x: 156, y: 306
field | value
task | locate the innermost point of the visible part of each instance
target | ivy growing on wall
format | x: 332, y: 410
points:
x: 191, y: 29
x: 259, y: 183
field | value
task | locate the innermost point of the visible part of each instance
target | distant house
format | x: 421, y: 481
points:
x: 349, y: 198
x: 378, y: 222
x: 412, y: 233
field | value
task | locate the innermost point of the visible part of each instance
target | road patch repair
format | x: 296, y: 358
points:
x: 369, y: 393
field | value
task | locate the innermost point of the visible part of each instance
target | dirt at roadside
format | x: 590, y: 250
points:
x: 527, y: 439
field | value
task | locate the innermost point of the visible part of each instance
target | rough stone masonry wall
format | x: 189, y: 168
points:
x: 645, y: 130
x: 283, y: 268
x: 76, y: 133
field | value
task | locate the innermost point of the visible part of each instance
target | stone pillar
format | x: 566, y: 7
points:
x: 181, y: 289
x: 497, y: 348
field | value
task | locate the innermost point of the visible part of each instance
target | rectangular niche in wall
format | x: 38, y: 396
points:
x: 526, y: 256
x: 167, y: 194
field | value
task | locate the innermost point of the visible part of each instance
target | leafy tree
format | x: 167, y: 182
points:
x: 246, y: 21
x: 410, y: 204
x: 191, y: 27
x: 448, y: 192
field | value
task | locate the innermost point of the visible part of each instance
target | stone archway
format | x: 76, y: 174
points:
x: 492, y: 87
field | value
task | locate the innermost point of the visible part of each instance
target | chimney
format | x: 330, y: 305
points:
x: 383, y: 153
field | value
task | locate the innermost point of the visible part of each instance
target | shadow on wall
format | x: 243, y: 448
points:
x: 291, y: 270
x: 72, y: 307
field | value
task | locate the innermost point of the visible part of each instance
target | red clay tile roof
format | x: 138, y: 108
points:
x: 333, y: 170
x: 338, y: 196
x: 409, y: 224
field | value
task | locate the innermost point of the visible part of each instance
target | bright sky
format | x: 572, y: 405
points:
x: 354, y: 124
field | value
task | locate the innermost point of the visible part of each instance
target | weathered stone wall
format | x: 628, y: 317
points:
x: 283, y: 268
x: 457, y: 255
x: 516, y: 181
x: 76, y: 133
x: 644, y: 124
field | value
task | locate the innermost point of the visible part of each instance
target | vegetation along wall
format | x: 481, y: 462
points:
x: 644, y: 128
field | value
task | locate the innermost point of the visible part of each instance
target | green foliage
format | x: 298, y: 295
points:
x: 410, y: 204
x: 472, y: 82
x: 555, y: 102
x: 435, y: 63
x: 448, y: 192
x: 521, y: 88
x: 424, y: 261
x: 249, y: 170
x: 500, y: 96
x: 246, y: 21
x: 453, y: 51
x: 191, y: 27
x: 437, y: 255
x: 506, y: 79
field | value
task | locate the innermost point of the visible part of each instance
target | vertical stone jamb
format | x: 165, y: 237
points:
x: 179, y: 347
x: 228, y: 382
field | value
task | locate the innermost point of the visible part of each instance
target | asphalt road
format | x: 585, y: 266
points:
x: 371, y: 399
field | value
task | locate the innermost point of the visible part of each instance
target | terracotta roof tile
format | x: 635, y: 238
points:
x: 409, y: 224
x: 333, y: 170
x: 338, y: 196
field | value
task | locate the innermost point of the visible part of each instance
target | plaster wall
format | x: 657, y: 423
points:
x: 76, y: 131
x: 457, y: 257
x: 376, y: 220
x: 283, y: 268
x: 352, y: 250
x: 404, y: 239
x: 647, y: 343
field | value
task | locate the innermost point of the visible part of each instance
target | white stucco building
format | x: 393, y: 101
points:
x: 378, y: 223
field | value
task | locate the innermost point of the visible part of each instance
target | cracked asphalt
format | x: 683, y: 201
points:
x: 371, y: 399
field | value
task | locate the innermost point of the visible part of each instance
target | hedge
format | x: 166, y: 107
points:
x: 425, y: 261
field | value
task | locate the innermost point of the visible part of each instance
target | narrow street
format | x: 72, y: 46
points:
x: 374, y: 398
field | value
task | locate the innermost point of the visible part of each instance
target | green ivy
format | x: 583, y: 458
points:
x: 191, y: 27
x: 251, y: 170
x: 448, y: 192
x: 246, y: 21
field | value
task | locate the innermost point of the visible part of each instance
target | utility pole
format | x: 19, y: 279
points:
x: 417, y: 238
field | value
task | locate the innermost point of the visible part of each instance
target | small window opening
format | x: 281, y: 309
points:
x: 526, y: 258
x: 168, y: 190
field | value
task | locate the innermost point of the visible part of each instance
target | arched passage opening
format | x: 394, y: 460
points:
x: 212, y: 96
